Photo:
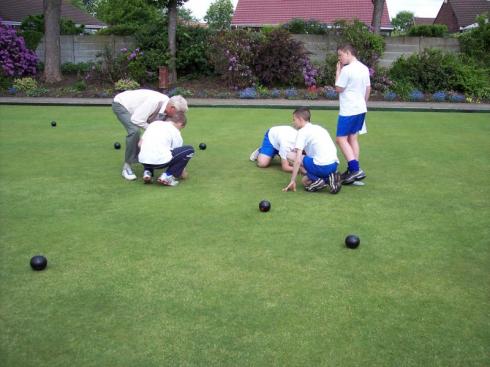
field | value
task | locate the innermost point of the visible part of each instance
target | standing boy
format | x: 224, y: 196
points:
x: 320, y: 161
x: 277, y: 140
x: 135, y: 109
x: 161, y: 147
x: 353, y: 85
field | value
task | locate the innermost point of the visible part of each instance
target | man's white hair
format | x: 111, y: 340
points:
x: 179, y: 103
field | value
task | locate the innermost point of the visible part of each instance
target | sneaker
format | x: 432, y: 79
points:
x: 334, y: 182
x: 167, y: 180
x: 128, y: 174
x: 147, y: 177
x: 316, y: 185
x: 349, y: 177
x: 254, y: 155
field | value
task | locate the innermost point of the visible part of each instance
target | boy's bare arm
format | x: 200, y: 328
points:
x: 296, y: 166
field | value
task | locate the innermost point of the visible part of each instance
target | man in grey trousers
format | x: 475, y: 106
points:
x: 135, y: 109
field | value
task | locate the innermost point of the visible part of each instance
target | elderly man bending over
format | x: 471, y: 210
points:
x: 136, y: 109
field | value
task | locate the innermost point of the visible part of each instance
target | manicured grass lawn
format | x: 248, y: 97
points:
x: 197, y: 276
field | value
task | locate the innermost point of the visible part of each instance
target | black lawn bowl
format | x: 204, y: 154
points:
x: 202, y: 146
x: 352, y: 241
x: 264, y: 206
x: 117, y: 145
x: 53, y: 123
x: 39, y: 262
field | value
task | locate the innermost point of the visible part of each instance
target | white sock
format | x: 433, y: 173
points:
x: 126, y: 165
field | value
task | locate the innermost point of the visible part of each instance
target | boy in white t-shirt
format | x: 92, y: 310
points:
x: 278, y: 140
x: 354, y: 86
x: 161, y: 147
x: 135, y: 109
x: 320, y: 162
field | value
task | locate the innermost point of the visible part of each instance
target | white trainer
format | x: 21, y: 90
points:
x: 128, y: 174
x: 254, y: 155
x: 167, y: 180
x: 147, y: 176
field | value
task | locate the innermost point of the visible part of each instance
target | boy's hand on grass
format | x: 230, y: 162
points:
x: 291, y: 186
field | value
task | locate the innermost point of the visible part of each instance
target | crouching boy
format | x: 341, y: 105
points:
x: 320, y: 162
x: 278, y: 140
x: 162, y: 147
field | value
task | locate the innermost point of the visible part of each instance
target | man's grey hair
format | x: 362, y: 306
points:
x: 179, y: 103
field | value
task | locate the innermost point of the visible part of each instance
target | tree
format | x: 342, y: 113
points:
x: 219, y: 15
x: 403, y: 21
x: 377, y: 14
x: 172, y: 11
x: 52, y: 16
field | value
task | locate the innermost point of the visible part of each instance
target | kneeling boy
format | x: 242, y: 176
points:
x: 320, y: 161
x: 277, y: 140
x: 161, y: 147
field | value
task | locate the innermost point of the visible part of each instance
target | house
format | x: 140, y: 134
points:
x: 259, y: 13
x: 423, y: 21
x: 461, y: 14
x: 13, y: 12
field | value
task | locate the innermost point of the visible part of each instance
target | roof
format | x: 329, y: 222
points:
x: 423, y: 21
x: 13, y: 11
x: 467, y: 10
x: 275, y: 12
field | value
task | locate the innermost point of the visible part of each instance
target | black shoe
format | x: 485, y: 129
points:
x: 316, y: 185
x: 334, y: 182
x: 349, y: 177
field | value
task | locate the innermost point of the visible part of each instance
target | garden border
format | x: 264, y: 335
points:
x: 263, y: 103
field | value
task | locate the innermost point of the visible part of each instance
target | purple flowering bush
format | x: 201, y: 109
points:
x: 310, y: 73
x: 15, y: 58
x: 232, y: 55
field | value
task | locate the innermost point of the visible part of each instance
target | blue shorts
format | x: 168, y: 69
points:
x: 267, y: 148
x: 314, y: 172
x: 349, y: 125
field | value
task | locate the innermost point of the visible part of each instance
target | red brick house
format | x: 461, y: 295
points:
x: 459, y: 14
x: 423, y: 21
x: 13, y: 12
x: 259, y: 13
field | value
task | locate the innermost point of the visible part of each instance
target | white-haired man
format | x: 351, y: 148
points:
x: 136, y: 109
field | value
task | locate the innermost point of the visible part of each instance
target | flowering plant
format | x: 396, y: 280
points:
x: 331, y: 93
x: 416, y: 96
x: 15, y: 58
x: 439, y: 96
x: 390, y: 96
x: 248, y: 93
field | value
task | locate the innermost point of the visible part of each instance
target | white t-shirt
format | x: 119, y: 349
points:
x: 282, y: 138
x: 158, y: 141
x: 354, y: 78
x: 141, y: 103
x: 317, y: 143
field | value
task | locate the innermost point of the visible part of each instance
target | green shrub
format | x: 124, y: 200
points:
x: 80, y: 85
x: 192, y: 51
x: 475, y: 43
x: 32, y: 39
x: 36, y: 23
x: 329, y: 69
x: 119, y: 30
x: 25, y: 84
x: 37, y: 92
x: 369, y: 46
x: 432, y: 70
x: 126, y: 84
x: 301, y: 26
x: 424, y: 30
x: 76, y: 69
